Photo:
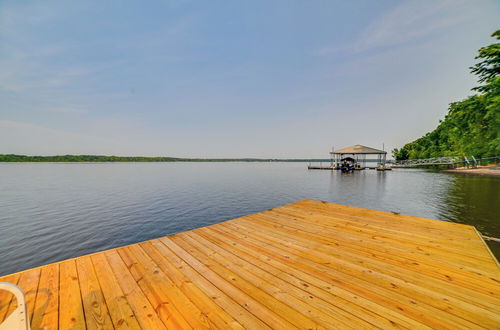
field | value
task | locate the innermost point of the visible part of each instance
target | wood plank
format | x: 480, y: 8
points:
x: 71, y: 315
x: 94, y: 305
x: 121, y: 313
x: 304, y: 265
x: 441, y: 230
x: 358, y: 222
x: 481, y: 292
x: 317, y: 310
x: 470, y: 245
x: 343, y: 299
x: 243, y: 298
x: 46, y: 313
x: 326, y: 282
x: 240, y: 313
x: 362, y: 273
x: 28, y: 282
x: 384, y: 275
x: 364, y: 288
x: 152, y: 288
x: 445, y: 226
x: 442, y: 271
x: 217, y: 316
x: 296, y: 311
x: 361, y: 240
x: 161, y: 280
x: 255, y: 288
x: 143, y: 310
x: 422, y: 246
x: 433, y: 228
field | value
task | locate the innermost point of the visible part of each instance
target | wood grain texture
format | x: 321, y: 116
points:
x: 46, y: 313
x: 94, y: 305
x: 119, y: 309
x: 143, y: 310
x: 309, y: 264
x: 71, y: 314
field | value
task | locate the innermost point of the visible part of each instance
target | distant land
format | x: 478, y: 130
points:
x: 98, y: 158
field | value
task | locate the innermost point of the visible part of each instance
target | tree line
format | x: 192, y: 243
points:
x: 472, y: 126
x: 99, y: 158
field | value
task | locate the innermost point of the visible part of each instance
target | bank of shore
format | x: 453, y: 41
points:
x: 490, y: 170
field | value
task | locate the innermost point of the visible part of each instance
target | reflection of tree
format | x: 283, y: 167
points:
x: 473, y: 200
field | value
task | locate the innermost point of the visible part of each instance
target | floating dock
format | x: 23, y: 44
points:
x: 320, y: 167
x: 332, y: 168
x: 304, y: 265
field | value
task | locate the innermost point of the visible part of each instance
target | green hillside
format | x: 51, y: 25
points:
x: 99, y: 158
x: 472, y: 126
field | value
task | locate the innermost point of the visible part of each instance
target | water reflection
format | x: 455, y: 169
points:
x: 350, y: 188
x: 475, y: 200
x: 51, y: 212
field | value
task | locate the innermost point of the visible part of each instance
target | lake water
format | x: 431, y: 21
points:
x: 55, y: 211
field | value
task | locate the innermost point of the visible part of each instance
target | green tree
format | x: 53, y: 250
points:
x: 472, y: 126
x: 488, y: 70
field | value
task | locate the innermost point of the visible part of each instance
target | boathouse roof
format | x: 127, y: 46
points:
x: 359, y: 149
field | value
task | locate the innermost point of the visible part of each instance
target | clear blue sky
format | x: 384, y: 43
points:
x: 232, y: 78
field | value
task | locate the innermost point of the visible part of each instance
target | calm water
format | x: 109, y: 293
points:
x: 54, y: 211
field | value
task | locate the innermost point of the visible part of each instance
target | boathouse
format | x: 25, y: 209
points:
x: 356, y: 157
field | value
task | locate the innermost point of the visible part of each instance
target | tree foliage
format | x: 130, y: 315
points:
x: 98, y: 158
x: 82, y: 158
x: 488, y: 69
x: 472, y: 126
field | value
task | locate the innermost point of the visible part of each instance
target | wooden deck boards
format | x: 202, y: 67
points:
x: 304, y: 265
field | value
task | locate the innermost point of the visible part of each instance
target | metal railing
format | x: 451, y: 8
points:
x: 451, y: 161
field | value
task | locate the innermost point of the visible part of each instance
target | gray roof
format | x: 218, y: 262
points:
x: 359, y: 149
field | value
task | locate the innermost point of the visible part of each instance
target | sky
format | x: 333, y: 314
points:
x: 272, y: 78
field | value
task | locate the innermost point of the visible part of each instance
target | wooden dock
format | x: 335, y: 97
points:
x: 304, y: 265
x: 320, y: 167
x: 333, y: 168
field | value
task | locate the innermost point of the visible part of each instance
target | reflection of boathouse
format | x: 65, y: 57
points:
x: 355, y: 158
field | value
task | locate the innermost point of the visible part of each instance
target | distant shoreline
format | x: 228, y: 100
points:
x: 11, y: 158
